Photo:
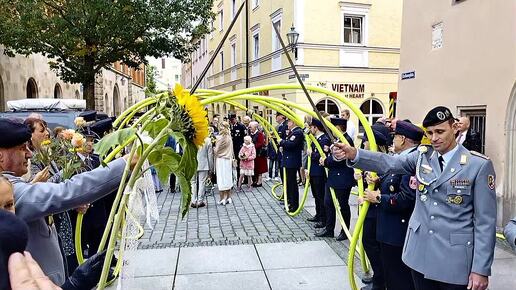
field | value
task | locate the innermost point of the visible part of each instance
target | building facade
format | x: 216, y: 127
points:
x: 192, y: 69
x: 351, y: 47
x: 168, y: 72
x: 472, y: 71
x: 116, y: 87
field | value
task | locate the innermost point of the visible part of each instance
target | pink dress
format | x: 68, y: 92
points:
x: 247, y: 165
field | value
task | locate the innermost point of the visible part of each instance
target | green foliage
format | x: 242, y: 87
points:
x: 150, y: 75
x: 82, y: 37
x: 112, y: 140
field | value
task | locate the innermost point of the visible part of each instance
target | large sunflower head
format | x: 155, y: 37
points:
x: 196, y: 119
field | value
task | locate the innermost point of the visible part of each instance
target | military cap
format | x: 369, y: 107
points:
x: 102, y: 126
x: 339, y: 121
x: 317, y: 123
x: 231, y: 115
x: 381, y: 135
x: 280, y: 114
x: 409, y: 130
x: 89, y: 116
x: 14, y: 133
x: 88, y: 132
x: 437, y: 116
x: 102, y: 116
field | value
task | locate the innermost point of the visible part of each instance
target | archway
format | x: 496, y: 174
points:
x: 373, y: 110
x: 77, y: 94
x: 106, y: 104
x: 116, y: 101
x: 509, y: 189
x: 58, y: 93
x: 328, y: 106
x: 32, y: 89
x: 2, y: 100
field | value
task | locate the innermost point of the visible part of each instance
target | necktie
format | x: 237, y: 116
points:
x: 441, y: 162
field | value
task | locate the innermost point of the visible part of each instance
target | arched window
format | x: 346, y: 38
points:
x: 32, y: 89
x: 116, y: 101
x: 373, y: 110
x: 328, y: 106
x: 58, y: 93
x: 2, y: 100
x: 106, y: 105
x: 77, y: 94
x: 218, y: 109
x: 225, y: 112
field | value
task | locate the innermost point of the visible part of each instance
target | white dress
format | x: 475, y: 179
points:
x: 224, y: 170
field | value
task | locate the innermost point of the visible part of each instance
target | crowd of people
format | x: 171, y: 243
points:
x: 432, y: 207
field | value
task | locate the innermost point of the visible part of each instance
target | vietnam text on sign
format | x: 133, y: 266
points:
x: 354, y: 91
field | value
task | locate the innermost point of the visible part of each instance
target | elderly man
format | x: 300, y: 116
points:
x: 351, y: 128
x: 36, y: 203
x: 451, y: 234
x: 260, y: 162
x: 468, y: 138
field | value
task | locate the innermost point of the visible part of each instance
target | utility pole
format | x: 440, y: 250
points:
x: 246, y: 48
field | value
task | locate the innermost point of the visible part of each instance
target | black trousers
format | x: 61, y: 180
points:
x: 172, y: 182
x: 397, y: 275
x: 343, y: 198
x: 421, y: 283
x: 292, y: 189
x: 317, y: 184
x: 372, y: 249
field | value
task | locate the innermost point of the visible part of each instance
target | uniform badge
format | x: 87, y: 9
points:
x: 441, y: 116
x: 413, y: 183
x: 463, y: 159
x: 491, y: 182
x: 421, y: 187
x: 455, y: 199
x: 292, y: 138
x: 424, y: 197
x: 422, y: 149
x: 426, y: 168
x: 391, y: 188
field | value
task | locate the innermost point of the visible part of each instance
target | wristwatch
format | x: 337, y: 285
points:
x: 379, y: 198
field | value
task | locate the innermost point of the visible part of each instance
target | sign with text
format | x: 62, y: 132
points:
x: 408, y: 75
x: 354, y: 91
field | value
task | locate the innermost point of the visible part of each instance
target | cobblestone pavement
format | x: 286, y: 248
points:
x: 255, y: 217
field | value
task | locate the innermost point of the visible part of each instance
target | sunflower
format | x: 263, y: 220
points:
x: 197, y: 119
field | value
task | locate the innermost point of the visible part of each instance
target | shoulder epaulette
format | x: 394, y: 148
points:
x: 423, y: 148
x: 479, y: 154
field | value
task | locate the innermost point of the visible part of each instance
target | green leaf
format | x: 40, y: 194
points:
x: 186, y: 193
x: 110, y: 141
x: 155, y: 127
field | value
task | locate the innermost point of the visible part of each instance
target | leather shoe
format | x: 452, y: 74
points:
x: 324, y: 233
x: 319, y: 225
x: 313, y: 219
x: 342, y: 236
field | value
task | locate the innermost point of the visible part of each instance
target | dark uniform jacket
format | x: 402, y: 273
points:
x: 340, y: 176
x: 292, y: 148
x: 315, y: 168
x: 282, y: 132
x: 398, y: 193
x: 238, y: 132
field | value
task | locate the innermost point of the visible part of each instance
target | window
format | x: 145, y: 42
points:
x: 77, y: 94
x: 58, y: 94
x: 275, y: 40
x: 353, y: 29
x: 256, y: 41
x: 373, y: 110
x: 233, y: 8
x: 255, y: 3
x: 212, y: 28
x: 328, y: 106
x: 477, y: 121
x: 176, y: 78
x: 233, y: 54
x: 221, y: 60
x: 221, y: 20
x: 163, y: 63
x: 32, y: 89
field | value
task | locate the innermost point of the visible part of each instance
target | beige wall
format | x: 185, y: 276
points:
x: 475, y: 66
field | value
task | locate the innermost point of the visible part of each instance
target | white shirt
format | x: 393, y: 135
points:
x: 351, y: 129
x: 448, y: 155
x: 462, y: 137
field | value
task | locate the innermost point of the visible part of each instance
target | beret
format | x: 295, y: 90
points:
x: 102, y: 126
x: 338, y: 121
x: 14, y: 133
x: 89, y: 116
x: 409, y: 130
x: 437, y: 116
x: 317, y: 123
x: 279, y: 114
x: 102, y: 116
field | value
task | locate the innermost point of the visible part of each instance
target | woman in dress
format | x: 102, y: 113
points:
x: 247, y: 155
x: 260, y: 163
x: 224, y: 163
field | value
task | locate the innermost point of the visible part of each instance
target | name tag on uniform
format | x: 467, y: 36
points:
x: 292, y: 138
x: 426, y: 168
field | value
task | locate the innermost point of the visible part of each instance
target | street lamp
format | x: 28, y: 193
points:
x: 292, y: 37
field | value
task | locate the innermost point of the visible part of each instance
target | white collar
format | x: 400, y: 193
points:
x: 448, y: 155
x: 319, y: 134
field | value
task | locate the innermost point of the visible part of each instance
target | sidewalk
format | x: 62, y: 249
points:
x: 252, y: 244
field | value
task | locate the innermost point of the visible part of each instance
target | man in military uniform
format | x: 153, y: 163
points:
x: 395, y: 202
x: 317, y: 172
x: 510, y: 233
x: 35, y: 202
x: 451, y: 233
x: 238, y: 132
x: 292, y: 147
x: 282, y: 132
